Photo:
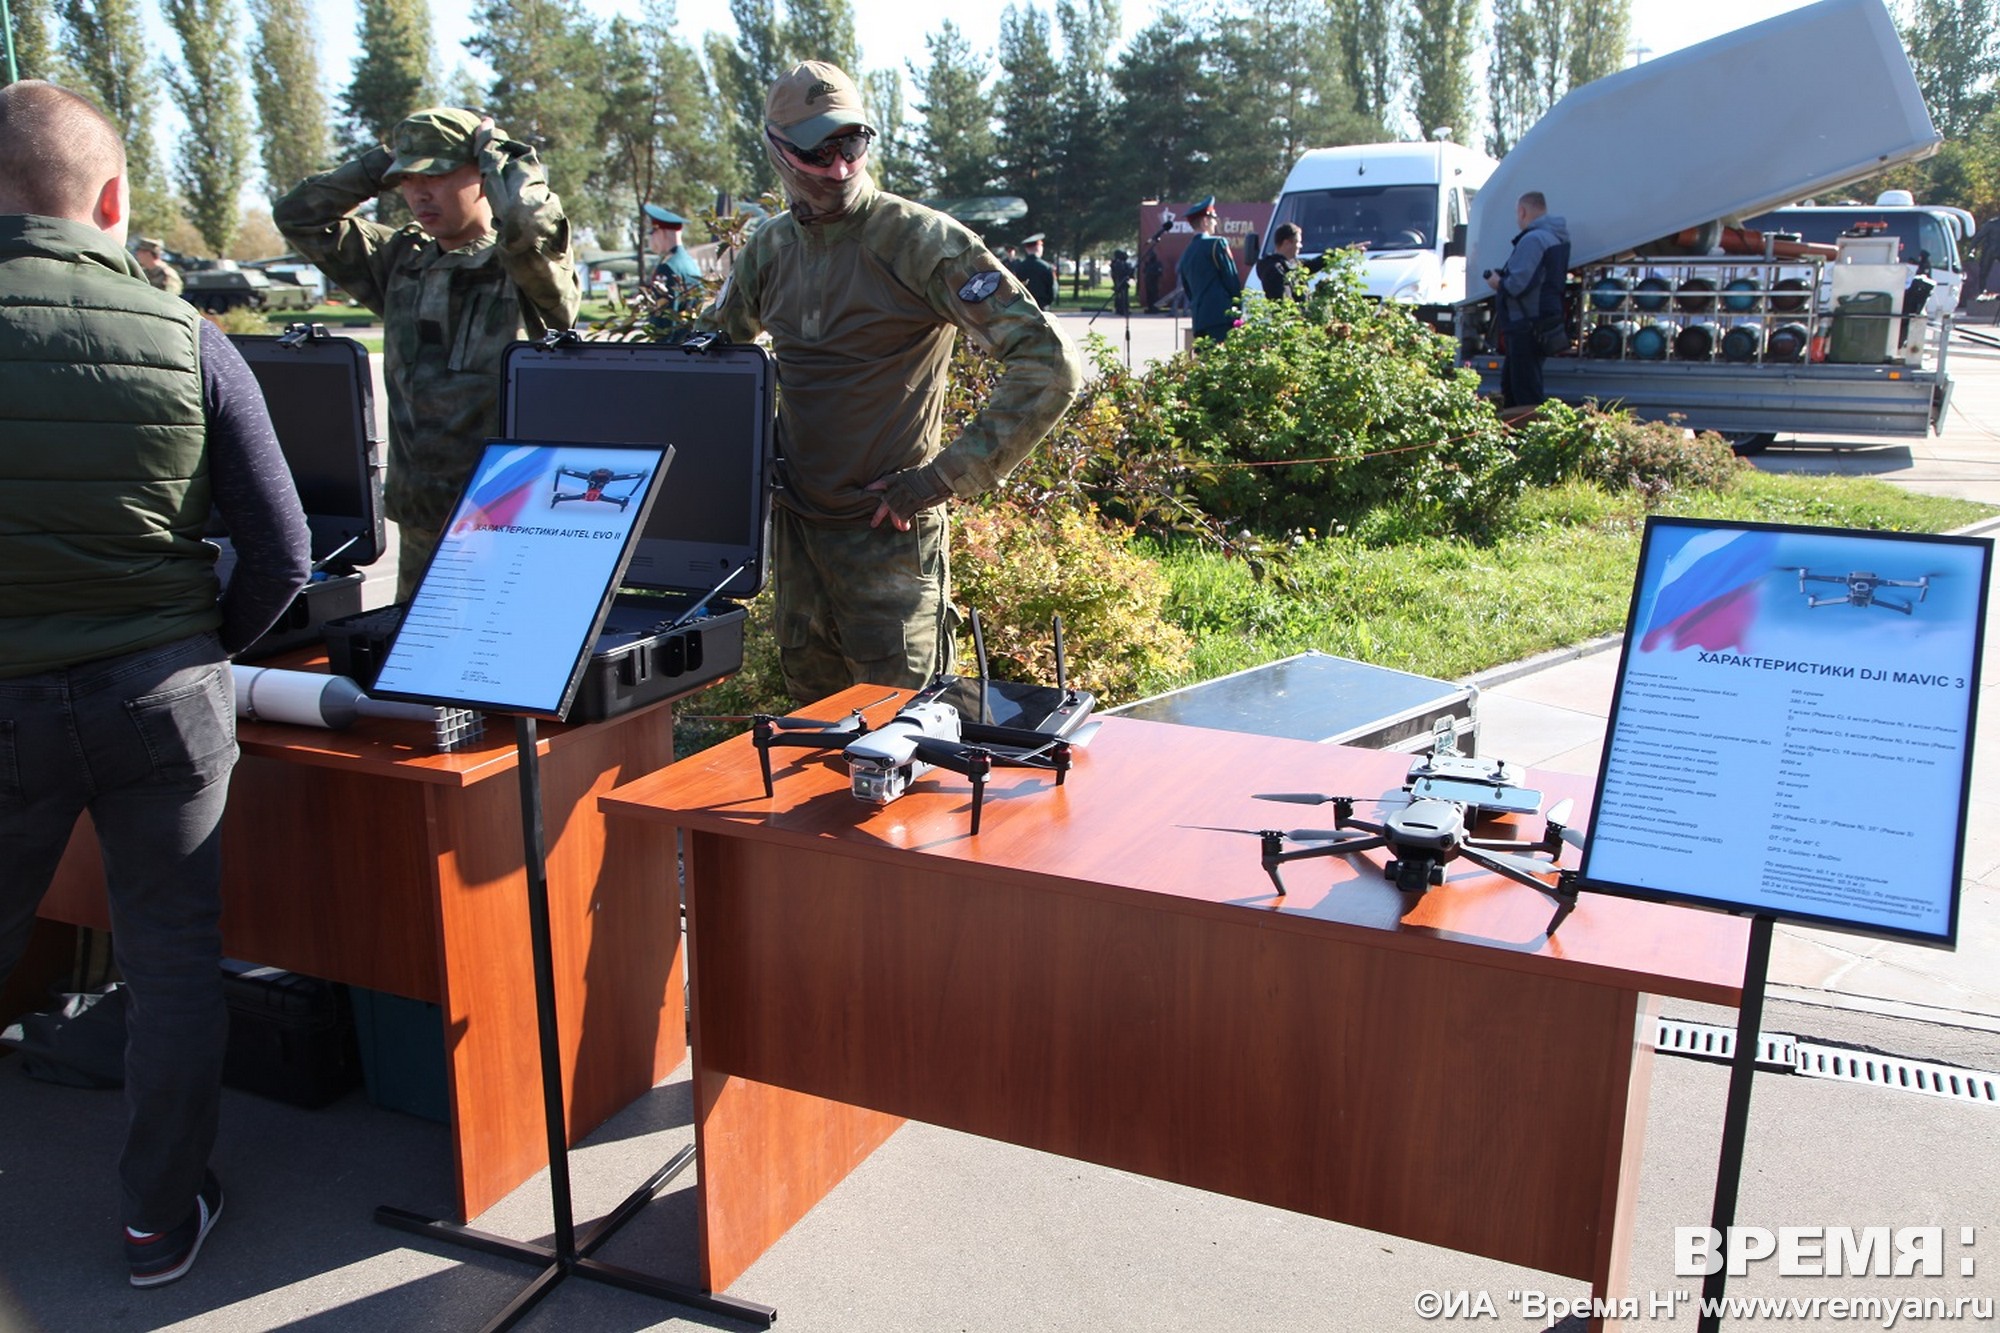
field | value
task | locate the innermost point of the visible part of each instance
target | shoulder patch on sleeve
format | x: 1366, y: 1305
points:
x: 980, y: 286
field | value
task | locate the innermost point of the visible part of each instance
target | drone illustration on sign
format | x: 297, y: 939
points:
x: 1429, y: 824
x: 944, y: 725
x: 1864, y: 589
x: 594, y: 482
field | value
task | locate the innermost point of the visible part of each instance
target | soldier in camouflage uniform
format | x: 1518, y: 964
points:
x: 487, y: 261
x: 158, y: 272
x: 863, y: 294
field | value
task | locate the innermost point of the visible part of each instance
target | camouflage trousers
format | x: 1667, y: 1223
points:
x: 861, y: 605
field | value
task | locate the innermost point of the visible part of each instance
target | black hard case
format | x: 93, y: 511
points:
x: 711, y: 522
x: 321, y: 396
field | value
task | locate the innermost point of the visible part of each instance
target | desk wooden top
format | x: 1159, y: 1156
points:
x: 1131, y: 818
x: 397, y: 749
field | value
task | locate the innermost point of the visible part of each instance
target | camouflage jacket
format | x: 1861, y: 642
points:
x: 446, y: 315
x: 862, y: 312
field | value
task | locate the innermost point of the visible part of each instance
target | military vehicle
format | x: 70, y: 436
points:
x: 224, y: 285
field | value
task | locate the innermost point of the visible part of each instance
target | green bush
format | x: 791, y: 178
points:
x: 1020, y: 566
x: 1620, y: 452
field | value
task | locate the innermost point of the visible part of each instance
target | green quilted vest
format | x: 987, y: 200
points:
x: 103, y: 454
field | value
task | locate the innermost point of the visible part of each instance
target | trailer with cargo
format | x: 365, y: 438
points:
x: 1676, y: 311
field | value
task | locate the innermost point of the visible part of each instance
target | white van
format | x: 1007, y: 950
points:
x: 1401, y: 204
x: 1926, y: 236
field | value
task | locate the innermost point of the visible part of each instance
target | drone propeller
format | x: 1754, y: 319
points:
x: 781, y: 723
x: 1558, y: 823
x: 1300, y: 797
x: 1526, y: 865
x: 1289, y: 835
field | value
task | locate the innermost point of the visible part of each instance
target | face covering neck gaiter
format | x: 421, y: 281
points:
x: 816, y: 199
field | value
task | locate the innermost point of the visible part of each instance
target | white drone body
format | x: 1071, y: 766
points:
x: 882, y: 764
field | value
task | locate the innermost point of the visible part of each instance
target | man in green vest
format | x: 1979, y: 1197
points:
x: 124, y: 417
x: 486, y: 262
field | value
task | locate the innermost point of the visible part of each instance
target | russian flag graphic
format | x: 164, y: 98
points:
x: 1708, y: 592
x: 496, y: 497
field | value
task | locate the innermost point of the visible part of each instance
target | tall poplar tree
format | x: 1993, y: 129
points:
x: 1596, y: 33
x: 744, y: 70
x: 1366, y: 34
x: 892, y: 157
x: 207, y: 86
x: 105, y: 47
x: 956, y: 144
x: 291, y: 108
x: 36, y: 51
x: 1438, y: 41
x: 823, y: 30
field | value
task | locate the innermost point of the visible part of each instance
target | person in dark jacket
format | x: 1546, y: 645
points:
x: 1530, y: 288
x: 1274, y: 271
x: 125, y: 416
x: 1209, y: 275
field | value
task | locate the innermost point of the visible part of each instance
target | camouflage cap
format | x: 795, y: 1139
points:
x: 432, y: 142
x: 153, y: 243
x: 813, y: 101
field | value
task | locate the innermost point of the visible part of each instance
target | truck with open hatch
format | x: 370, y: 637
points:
x: 1678, y: 311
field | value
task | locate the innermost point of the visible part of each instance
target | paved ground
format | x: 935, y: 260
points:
x: 943, y: 1232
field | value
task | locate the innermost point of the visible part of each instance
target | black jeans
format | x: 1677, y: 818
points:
x: 145, y: 742
x: 1521, y: 370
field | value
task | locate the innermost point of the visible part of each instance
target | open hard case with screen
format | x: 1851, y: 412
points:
x: 677, y: 624
x: 322, y: 403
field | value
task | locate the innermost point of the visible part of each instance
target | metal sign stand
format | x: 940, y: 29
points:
x: 1736, y: 1113
x: 570, y: 1255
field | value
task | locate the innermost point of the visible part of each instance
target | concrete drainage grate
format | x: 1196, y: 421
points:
x: 1705, y: 1041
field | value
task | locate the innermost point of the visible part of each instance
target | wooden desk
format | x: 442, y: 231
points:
x: 1092, y: 976
x: 363, y: 856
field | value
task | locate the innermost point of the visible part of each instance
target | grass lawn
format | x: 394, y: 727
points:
x: 1448, y: 609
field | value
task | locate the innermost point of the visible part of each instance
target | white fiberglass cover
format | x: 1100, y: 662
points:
x: 1762, y: 116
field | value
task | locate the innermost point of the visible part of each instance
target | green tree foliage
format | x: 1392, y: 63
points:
x: 207, y: 86
x: 1168, y: 105
x: 1438, y: 41
x: 892, y: 159
x: 1029, y: 104
x: 1596, y: 33
x: 1954, y: 46
x: 37, y: 51
x: 824, y: 30
x: 284, y: 63
x: 1278, y: 92
x: 744, y: 70
x: 105, y: 48
x: 1511, y: 81
x: 1079, y: 214
x: 1365, y: 34
x: 657, y: 126
x: 955, y: 143
x: 548, y: 92
x: 392, y: 76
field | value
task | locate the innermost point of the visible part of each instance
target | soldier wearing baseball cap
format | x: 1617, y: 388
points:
x: 147, y: 250
x: 486, y: 261
x: 863, y: 294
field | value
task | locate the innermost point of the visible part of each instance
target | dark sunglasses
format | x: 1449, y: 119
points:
x: 850, y: 147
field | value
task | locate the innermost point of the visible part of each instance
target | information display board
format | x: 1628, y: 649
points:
x: 509, y: 606
x: 1792, y: 729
